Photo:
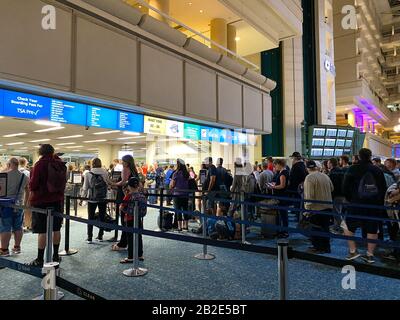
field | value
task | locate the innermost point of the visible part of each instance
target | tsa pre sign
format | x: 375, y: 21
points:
x: 22, y: 105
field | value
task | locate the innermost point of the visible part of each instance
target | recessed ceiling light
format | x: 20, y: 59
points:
x: 237, y: 39
x: 74, y: 147
x: 107, y: 132
x: 41, y: 140
x: 129, y: 133
x: 66, y: 144
x: 47, y: 123
x: 49, y: 129
x: 15, y: 135
x: 190, y: 3
x: 71, y: 137
x: 201, y: 11
x: 14, y: 143
x: 92, y: 141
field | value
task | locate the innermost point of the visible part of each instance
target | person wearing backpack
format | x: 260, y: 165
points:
x: 95, y: 188
x: 47, y: 187
x: 224, y: 182
x: 364, y: 184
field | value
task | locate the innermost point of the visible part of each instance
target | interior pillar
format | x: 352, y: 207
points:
x: 219, y: 34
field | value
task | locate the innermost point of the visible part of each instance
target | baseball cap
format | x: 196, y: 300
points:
x: 311, y: 164
x: 295, y: 155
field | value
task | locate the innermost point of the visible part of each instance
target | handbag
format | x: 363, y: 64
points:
x: 7, y: 212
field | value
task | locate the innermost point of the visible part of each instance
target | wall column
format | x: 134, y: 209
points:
x: 219, y: 34
x: 163, y: 6
x: 105, y: 155
x: 35, y: 156
x: 231, y: 40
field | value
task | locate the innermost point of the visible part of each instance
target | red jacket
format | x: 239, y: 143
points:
x: 38, y: 183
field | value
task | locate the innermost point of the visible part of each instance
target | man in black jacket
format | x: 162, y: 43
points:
x: 297, y: 175
x: 336, y: 174
x: 364, y: 184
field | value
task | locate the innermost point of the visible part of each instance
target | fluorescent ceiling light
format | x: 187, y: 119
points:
x: 71, y: 137
x: 138, y: 137
x: 131, y: 143
x: 1, y: 117
x: 224, y: 144
x: 93, y: 149
x: 132, y: 133
x: 65, y: 144
x: 49, y: 129
x: 41, y: 140
x: 15, y: 135
x: 48, y: 123
x: 129, y: 138
x: 92, y: 141
x: 74, y: 147
x: 106, y: 132
x: 14, y: 143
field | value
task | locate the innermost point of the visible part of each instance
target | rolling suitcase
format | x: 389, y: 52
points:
x: 269, y: 216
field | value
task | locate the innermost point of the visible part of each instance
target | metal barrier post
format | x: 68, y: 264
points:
x: 204, y: 255
x: 76, y: 200
x: 49, y: 235
x: 161, y: 209
x: 50, y: 291
x: 243, y: 218
x: 67, y: 251
x: 135, y: 271
x: 283, y: 268
x: 116, y: 219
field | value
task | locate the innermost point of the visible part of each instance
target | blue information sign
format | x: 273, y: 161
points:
x: 130, y: 121
x: 23, y: 105
x: 1, y: 102
x: 102, y: 118
x: 68, y: 112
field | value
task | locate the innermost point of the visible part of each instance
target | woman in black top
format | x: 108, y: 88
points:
x: 279, y: 188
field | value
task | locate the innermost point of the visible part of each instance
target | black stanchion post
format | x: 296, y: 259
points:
x: 49, y: 237
x: 283, y: 268
x: 76, y: 200
x: 204, y: 255
x: 161, y: 209
x: 116, y: 219
x: 67, y: 251
x: 243, y: 215
x: 135, y: 271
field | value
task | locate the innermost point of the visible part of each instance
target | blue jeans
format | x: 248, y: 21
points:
x: 13, y: 222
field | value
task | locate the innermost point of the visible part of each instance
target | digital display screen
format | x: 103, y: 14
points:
x: 26, y: 106
x: 319, y: 132
x: 349, y: 143
x: 155, y: 126
x: 331, y: 132
x: 102, y: 118
x: 191, y: 131
x: 330, y: 142
x: 225, y: 136
x: 1, y: 102
x: 346, y: 151
x: 340, y: 143
x: 316, y: 152
x: 342, y: 133
x: 239, y: 138
x: 338, y: 152
x: 350, y: 134
x: 318, y: 142
x: 128, y: 121
x: 68, y: 112
x: 329, y: 152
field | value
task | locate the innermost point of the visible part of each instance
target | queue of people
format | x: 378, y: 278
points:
x: 332, y: 186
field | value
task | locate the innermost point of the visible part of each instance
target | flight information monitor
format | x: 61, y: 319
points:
x: 68, y: 112
x: 319, y: 132
x: 102, y: 118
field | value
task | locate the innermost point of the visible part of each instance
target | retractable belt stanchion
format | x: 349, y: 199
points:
x: 243, y: 218
x: 204, y: 255
x: 116, y: 219
x: 135, y: 271
x: 67, y: 251
x: 161, y: 209
x: 50, y: 268
x: 76, y: 200
x: 283, y: 268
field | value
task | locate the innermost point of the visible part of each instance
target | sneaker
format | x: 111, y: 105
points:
x: 89, y: 241
x: 317, y: 251
x: 36, y: 263
x: 99, y: 239
x: 368, y: 259
x: 352, y: 256
x: 4, y: 253
x: 389, y: 256
x: 16, y: 250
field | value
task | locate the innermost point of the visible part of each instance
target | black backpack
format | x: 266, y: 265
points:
x: 98, y: 187
x: 367, y: 187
